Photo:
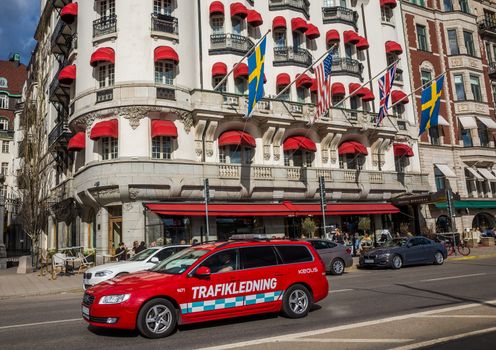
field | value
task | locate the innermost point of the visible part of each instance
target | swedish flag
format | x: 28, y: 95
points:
x: 431, y: 100
x: 256, y: 63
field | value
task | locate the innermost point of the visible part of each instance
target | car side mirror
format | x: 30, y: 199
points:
x: 202, y: 272
x: 154, y: 260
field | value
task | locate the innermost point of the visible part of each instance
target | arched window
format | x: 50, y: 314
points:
x: 3, y: 82
x: 236, y: 147
x: 4, y: 123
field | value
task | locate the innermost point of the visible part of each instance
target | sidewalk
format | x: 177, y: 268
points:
x: 476, y: 253
x: 13, y: 285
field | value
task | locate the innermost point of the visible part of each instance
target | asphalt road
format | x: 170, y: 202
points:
x: 54, y: 322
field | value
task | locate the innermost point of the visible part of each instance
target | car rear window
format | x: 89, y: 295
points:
x: 291, y: 254
x: 261, y: 256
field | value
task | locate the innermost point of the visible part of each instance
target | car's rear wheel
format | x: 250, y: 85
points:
x: 438, y: 258
x: 337, y: 267
x: 296, y: 302
x: 157, y: 318
x: 396, y: 262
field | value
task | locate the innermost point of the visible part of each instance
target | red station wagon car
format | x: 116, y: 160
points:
x: 211, y: 282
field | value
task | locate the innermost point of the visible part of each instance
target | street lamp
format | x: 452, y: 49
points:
x: 3, y: 251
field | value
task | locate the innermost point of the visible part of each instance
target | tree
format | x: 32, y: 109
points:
x: 308, y: 227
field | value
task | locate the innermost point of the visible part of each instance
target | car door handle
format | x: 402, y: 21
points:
x: 278, y: 274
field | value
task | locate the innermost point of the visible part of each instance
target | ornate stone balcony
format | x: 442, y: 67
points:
x: 229, y: 43
x: 338, y: 14
x: 295, y: 5
x: 292, y: 55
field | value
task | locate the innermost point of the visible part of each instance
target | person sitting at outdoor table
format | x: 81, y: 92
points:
x: 141, y: 247
x: 121, y: 252
x: 135, y: 247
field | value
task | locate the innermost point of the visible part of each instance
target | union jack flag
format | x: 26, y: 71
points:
x: 385, y: 85
x: 323, y: 74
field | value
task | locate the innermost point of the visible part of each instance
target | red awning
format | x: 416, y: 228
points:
x: 283, y: 79
x: 67, y: 75
x: 237, y: 138
x: 240, y: 71
x: 77, y: 142
x: 293, y: 143
x: 312, y: 32
x: 352, y: 147
x: 362, y: 44
x: 393, y: 47
x: 355, y: 89
x: 391, y: 3
x: 103, y: 54
x: 338, y: 89
x: 216, y: 8
x: 108, y: 128
x: 314, y: 87
x: 219, y: 69
x: 254, y: 18
x: 299, y: 25
x: 69, y: 12
x: 351, y: 37
x: 332, y: 35
x: 163, y: 128
x: 239, y: 10
x: 368, y: 96
x: 401, y: 149
x: 279, y: 22
x: 166, y: 53
x: 398, y: 95
x: 303, y: 80
x: 269, y: 209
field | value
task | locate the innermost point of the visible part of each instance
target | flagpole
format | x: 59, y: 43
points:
x: 242, y: 59
x: 306, y: 70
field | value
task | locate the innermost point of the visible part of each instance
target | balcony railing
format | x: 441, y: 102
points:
x: 104, y: 25
x: 487, y: 26
x: 295, y: 5
x: 339, y: 14
x: 60, y: 131
x: 61, y: 40
x: 104, y: 95
x: 292, y: 55
x: 230, y: 43
x: 164, y: 24
x: 347, y: 65
x: 166, y: 93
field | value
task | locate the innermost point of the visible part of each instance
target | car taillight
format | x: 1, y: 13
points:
x: 348, y: 250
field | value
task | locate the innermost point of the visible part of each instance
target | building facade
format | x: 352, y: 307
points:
x: 136, y: 125
x: 457, y: 37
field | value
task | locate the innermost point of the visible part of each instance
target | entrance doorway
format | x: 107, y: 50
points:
x: 115, y: 229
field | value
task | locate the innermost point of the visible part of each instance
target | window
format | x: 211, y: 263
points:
x: 4, y: 123
x: 464, y: 6
x: 286, y: 95
x: 216, y: 80
x: 217, y: 23
x: 300, y: 95
x: 435, y: 135
x: 459, y: 87
x: 422, y: 38
x: 223, y: 261
x: 425, y: 77
x: 4, y: 102
x: 105, y: 75
x: 333, y: 3
x: 418, y: 2
x: 387, y: 14
x: 296, y: 40
x: 475, y: 86
x: 467, y: 138
x: 280, y: 38
x: 254, y: 257
x: 292, y: 254
x: 240, y: 85
x: 399, y: 110
x: 400, y: 164
x: 453, y: 42
x: 3, y: 83
x: 488, y: 53
x: 448, y: 5
x: 336, y: 99
x: 351, y: 161
x: 164, y: 72
x: 299, y: 158
x: 162, y: 7
x: 161, y: 147
x: 4, y: 191
x: 235, y: 154
x: 483, y: 135
x: 107, y: 8
x: 237, y: 26
x: 5, y: 146
x: 109, y: 148
x: 439, y: 179
x: 469, y: 43
x: 319, y: 245
x: 5, y: 168
x: 165, y: 253
x: 348, y: 51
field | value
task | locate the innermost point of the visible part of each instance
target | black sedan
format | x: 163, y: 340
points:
x: 405, y: 251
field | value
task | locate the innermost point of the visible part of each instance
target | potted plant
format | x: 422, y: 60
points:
x: 308, y: 227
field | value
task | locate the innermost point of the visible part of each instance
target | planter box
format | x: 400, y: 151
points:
x: 487, y: 241
x: 471, y: 242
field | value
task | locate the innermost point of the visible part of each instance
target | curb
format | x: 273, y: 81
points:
x: 472, y: 257
x: 42, y: 293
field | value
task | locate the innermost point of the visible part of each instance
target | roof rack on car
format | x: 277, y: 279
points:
x: 249, y: 237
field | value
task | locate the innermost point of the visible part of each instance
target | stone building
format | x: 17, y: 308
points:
x: 136, y: 125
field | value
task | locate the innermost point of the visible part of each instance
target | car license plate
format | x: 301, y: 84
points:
x: 369, y: 261
x: 86, y: 311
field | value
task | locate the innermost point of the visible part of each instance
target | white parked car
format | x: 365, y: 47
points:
x: 144, y: 260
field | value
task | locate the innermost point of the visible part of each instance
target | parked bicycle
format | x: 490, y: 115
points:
x: 452, y: 243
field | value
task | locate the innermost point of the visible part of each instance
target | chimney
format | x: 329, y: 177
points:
x: 16, y: 58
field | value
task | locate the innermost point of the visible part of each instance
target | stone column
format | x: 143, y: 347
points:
x: 102, y: 233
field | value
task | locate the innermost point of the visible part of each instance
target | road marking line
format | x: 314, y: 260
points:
x: 453, y: 277
x: 288, y: 337
x: 457, y: 316
x: 40, y: 323
x: 444, y: 340
x: 350, y: 340
x: 340, y: 290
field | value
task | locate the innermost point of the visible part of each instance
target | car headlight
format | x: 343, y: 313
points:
x: 382, y: 256
x: 103, y: 273
x: 114, y: 299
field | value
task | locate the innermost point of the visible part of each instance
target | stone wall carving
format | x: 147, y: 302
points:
x: 134, y: 114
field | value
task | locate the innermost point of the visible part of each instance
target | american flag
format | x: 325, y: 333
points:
x: 385, y: 85
x: 323, y: 74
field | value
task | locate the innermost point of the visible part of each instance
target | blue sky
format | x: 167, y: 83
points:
x: 18, y: 20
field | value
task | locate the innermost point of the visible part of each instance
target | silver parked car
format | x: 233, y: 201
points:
x: 336, y: 256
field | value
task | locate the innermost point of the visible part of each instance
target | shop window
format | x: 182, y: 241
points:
x: 298, y: 158
x: 109, y: 147
x: 235, y: 154
x: 164, y: 72
x: 161, y: 147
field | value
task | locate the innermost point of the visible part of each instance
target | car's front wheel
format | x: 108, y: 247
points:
x: 396, y: 262
x: 157, y: 318
x: 296, y: 302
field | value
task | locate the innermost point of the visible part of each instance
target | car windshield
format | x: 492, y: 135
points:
x: 142, y: 256
x: 397, y: 242
x: 180, y: 262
